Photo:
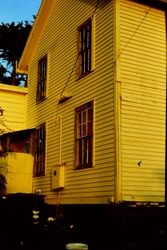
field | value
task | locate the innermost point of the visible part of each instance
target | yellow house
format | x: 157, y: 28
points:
x: 13, y: 101
x: 97, y: 96
x: 16, y: 165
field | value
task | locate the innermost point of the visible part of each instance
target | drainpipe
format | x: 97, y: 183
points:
x: 166, y: 120
x: 117, y: 102
x: 59, y: 120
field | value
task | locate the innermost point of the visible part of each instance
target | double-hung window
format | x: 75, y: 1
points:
x: 84, y: 136
x: 39, y: 150
x: 42, y: 78
x: 84, y: 49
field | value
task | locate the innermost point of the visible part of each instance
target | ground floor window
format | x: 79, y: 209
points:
x: 39, y: 150
x: 84, y: 135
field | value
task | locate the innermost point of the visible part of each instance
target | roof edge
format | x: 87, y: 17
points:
x: 35, y: 35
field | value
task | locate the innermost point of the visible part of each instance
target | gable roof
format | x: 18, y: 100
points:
x: 35, y: 34
x: 39, y: 26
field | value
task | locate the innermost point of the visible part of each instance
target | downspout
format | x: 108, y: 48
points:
x: 59, y: 121
x: 117, y: 109
x: 60, y: 153
x: 166, y: 120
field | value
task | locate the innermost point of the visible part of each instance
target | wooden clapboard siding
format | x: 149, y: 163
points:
x: 13, y: 100
x: 143, y: 96
x: 59, y: 42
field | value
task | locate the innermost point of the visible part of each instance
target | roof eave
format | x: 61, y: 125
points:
x: 35, y: 34
x: 161, y: 3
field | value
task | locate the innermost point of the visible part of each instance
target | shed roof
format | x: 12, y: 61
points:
x: 18, y: 132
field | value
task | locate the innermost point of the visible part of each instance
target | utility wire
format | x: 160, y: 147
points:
x: 69, y: 76
x: 121, y: 52
x: 66, y: 84
x: 97, y: 3
x: 134, y: 33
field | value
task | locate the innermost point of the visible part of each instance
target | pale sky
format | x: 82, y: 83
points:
x: 18, y: 10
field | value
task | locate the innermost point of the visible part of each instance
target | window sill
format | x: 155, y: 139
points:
x: 38, y: 176
x: 42, y: 100
x: 84, y: 75
x: 83, y: 167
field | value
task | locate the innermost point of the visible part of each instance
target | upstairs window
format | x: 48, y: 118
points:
x: 84, y: 49
x: 39, y: 150
x: 84, y: 136
x: 42, y: 78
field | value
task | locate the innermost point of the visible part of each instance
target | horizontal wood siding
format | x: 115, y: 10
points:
x: 59, y: 41
x: 13, y: 100
x: 143, y: 100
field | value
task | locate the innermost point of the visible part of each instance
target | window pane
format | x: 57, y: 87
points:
x: 84, y: 122
x: 89, y: 142
x: 78, y: 125
x: 41, y: 85
x: 85, y: 48
x: 39, y: 157
x: 80, y: 152
x: 84, y: 146
x: 85, y: 151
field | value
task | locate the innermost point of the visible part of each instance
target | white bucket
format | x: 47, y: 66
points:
x: 76, y: 246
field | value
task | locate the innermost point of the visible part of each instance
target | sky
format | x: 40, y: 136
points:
x: 18, y: 10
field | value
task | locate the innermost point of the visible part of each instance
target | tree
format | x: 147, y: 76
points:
x: 13, y: 38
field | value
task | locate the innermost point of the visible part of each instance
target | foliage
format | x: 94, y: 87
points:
x: 3, y: 127
x: 2, y: 185
x: 13, y: 38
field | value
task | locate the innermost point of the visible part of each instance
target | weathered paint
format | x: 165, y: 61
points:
x: 143, y: 101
